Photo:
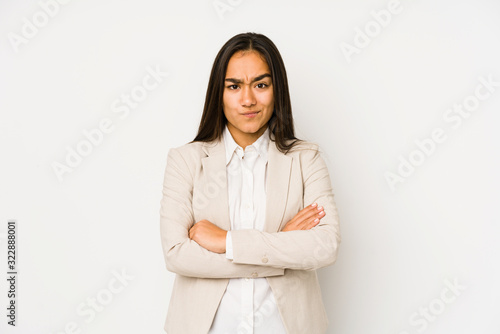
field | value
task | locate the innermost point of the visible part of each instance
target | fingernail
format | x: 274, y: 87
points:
x: 320, y: 208
x: 316, y: 220
x: 314, y: 204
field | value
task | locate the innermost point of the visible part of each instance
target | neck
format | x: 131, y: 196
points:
x: 245, y: 139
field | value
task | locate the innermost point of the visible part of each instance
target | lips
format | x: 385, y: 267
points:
x: 251, y: 114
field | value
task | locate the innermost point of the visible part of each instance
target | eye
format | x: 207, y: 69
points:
x: 262, y: 85
x: 232, y: 87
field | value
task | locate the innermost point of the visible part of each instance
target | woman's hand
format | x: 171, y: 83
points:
x: 306, y: 219
x: 209, y: 236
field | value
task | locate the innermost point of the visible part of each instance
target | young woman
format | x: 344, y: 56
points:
x: 247, y: 214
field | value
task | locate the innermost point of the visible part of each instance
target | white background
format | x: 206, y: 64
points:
x: 399, y: 246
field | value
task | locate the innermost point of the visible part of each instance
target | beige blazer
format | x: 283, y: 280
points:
x: 195, y: 188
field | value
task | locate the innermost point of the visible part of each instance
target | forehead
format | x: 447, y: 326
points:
x: 246, y: 64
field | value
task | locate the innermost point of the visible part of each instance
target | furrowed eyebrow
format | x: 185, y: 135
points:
x: 239, y: 81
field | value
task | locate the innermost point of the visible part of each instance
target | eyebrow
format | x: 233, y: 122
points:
x: 238, y: 81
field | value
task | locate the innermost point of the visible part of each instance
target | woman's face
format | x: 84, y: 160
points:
x: 248, y: 98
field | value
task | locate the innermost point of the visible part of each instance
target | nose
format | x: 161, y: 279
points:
x: 247, y: 97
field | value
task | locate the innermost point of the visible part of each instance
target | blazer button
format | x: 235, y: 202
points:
x: 255, y: 275
x: 264, y: 260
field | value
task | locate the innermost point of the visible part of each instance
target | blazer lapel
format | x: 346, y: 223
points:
x: 215, y: 183
x: 277, y: 184
x: 278, y: 181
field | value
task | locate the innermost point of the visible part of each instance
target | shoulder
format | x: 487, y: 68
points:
x: 303, y: 147
x: 195, y: 150
x: 187, y: 153
x: 187, y: 157
x: 189, y: 149
x: 308, y: 155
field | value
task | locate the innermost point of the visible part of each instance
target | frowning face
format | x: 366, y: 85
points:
x: 248, y: 98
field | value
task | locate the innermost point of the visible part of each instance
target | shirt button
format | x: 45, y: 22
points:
x: 255, y: 275
x: 264, y: 260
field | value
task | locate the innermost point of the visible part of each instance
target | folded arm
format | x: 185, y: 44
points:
x: 183, y: 255
x: 301, y: 249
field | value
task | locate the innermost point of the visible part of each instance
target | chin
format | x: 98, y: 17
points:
x: 252, y: 129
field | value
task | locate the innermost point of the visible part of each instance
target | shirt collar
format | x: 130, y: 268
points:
x: 261, y: 145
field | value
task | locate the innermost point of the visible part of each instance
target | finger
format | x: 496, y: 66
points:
x: 307, y: 212
x: 312, y: 219
x: 304, y: 217
x: 316, y: 220
x: 313, y: 223
x: 312, y: 214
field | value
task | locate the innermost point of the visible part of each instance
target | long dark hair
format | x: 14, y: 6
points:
x: 213, y: 119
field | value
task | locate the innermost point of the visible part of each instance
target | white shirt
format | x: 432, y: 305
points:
x: 248, y: 305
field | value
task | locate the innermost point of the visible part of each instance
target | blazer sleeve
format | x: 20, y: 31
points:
x: 183, y: 255
x: 303, y: 249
